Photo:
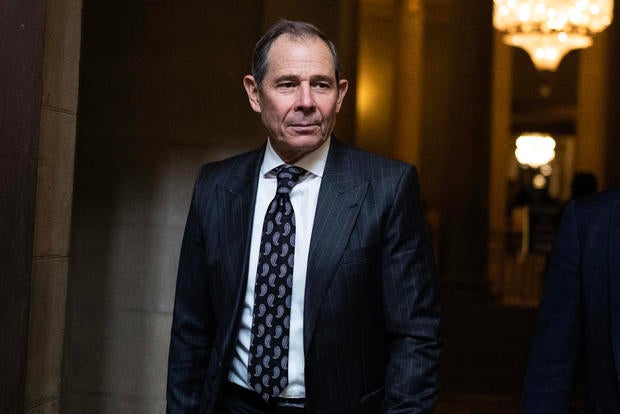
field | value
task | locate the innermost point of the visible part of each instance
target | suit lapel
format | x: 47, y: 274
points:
x: 614, y: 281
x: 337, y: 208
x: 238, y: 194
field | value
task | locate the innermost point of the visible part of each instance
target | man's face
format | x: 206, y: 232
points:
x: 298, y: 98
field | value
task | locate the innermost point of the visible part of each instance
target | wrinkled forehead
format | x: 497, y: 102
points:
x: 303, y: 48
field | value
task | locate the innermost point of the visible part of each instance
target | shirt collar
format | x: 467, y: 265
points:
x: 314, y: 161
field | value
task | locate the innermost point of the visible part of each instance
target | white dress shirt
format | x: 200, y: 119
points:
x: 304, y: 199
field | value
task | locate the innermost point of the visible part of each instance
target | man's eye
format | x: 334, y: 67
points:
x: 322, y: 85
x: 286, y: 85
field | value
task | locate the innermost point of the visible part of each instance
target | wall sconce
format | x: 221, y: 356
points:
x: 535, y: 149
x: 548, y: 29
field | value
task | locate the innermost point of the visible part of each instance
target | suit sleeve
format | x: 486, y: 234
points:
x: 412, y: 310
x: 192, y: 325
x: 555, y: 352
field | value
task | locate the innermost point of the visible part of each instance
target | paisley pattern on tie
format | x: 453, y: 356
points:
x: 268, y: 356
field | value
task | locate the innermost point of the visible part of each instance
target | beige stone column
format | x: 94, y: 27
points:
x: 408, y: 85
x: 592, y: 93
x: 375, y: 86
x: 53, y: 205
x: 501, y: 148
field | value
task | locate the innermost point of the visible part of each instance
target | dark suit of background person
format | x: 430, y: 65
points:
x: 578, y: 331
x: 371, y: 306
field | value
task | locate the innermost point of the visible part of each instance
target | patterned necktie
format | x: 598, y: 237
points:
x: 268, y: 356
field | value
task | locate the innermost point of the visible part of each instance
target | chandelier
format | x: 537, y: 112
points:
x: 549, y: 29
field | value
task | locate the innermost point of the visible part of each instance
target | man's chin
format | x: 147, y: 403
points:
x: 302, y: 141
x: 296, y: 147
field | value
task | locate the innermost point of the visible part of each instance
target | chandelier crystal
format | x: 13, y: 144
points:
x: 549, y: 29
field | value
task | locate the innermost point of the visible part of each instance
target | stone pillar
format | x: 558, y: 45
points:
x: 612, y: 164
x: 53, y: 205
x: 378, y: 54
x: 501, y: 149
x: 389, y: 101
x: 592, y: 98
x: 454, y: 156
x: 408, y: 84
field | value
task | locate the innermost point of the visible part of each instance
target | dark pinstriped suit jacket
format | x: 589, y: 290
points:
x: 578, y: 332
x: 371, y: 314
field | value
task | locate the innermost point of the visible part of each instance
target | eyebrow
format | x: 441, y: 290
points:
x: 286, y: 78
x: 315, y: 78
x: 323, y: 78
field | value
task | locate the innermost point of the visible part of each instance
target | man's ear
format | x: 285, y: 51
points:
x: 251, y: 87
x: 343, y: 86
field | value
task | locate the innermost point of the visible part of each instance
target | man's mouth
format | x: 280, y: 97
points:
x: 304, y: 124
x: 304, y: 127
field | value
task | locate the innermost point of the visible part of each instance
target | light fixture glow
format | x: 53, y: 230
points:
x: 535, y: 149
x: 546, y: 170
x: 548, y: 29
x: 539, y: 181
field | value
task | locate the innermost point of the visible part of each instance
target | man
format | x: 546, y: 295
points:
x: 578, y: 331
x: 322, y: 298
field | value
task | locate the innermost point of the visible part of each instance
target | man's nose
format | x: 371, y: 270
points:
x: 305, y: 100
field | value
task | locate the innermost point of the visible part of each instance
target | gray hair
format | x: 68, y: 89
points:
x: 297, y: 30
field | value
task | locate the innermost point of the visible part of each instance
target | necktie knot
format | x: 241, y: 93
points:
x: 288, y: 175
